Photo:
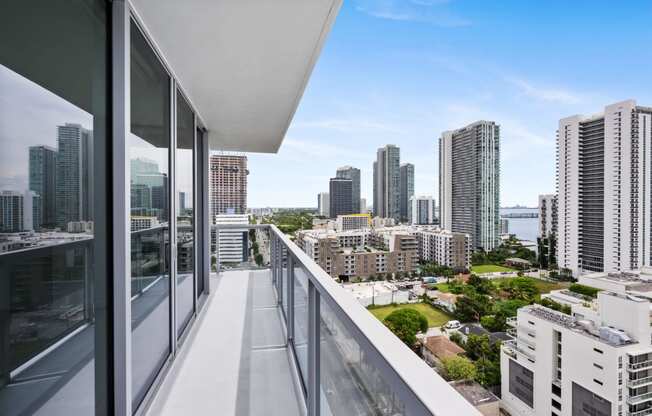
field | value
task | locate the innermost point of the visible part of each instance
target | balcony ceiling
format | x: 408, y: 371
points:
x: 244, y: 64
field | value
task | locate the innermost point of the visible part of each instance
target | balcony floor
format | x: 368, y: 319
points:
x: 235, y: 360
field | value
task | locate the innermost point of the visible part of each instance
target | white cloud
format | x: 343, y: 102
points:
x: 549, y: 94
x: 426, y: 11
x: 347, y: 125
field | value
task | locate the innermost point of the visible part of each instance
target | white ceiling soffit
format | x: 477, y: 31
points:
x: 244, y: 64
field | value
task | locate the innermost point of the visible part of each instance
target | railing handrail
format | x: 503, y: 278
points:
x: 436, y: 397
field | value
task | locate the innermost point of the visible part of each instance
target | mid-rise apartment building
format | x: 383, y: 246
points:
x: 593, y: 362
x: 353, y: 222
x: 445, y: 248
x: 359, y: 253
x: 228, y: 184
x: 421, y: 210
x: 232, y: 245
x: 349, y: 172
x: 547, y: 215
x: 603, y: 180
x: 427, y: 243
x: 387, y: 182
x: 469, y: 183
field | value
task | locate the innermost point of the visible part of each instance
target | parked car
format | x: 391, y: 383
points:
x: 452, y: 324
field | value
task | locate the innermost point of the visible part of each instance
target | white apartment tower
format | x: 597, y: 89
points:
x: 593, y: 362
x: 421, y: 210
x: 469, y: 183
x: 603, y: 180
x: 547, y: 215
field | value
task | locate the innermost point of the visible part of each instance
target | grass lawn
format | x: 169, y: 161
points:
x: 490, y: 268
x: 435, y: 316
x: 543, y: 286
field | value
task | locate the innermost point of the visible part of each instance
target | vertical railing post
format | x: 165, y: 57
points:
x: 313, y: 351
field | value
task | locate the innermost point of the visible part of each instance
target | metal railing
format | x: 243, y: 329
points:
x: 639, y: 382
x: 349, y: 362
x: 644, y: 412
x: 639, y: 398
x: 514, y: 346
x: 639, y: 366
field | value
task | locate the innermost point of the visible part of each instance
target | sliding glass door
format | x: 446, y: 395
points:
x: 149, y: 154
x: 185, y: 213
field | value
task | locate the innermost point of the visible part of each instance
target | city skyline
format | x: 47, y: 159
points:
x: 396, y: 80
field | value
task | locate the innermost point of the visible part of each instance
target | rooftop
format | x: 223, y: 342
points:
x: 442, y: 347
x: 473, y: 392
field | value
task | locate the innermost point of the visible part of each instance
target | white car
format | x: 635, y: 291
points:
x: 452, y: 325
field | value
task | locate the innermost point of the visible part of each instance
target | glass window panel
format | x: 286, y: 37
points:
x: 350, y: 383
x: 301, y: 318
x: 53, y: 136
x: 184, y: 180
x: 149, y: 154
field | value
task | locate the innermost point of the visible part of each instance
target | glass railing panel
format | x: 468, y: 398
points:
x: 350, y: 384
x: 284, y: 280
x: 47, y: 294
x: 301, y: 318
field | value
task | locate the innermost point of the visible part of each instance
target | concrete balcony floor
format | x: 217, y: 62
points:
x: 235, y: 360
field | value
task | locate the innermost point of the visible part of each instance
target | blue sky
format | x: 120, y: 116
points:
x: 403, y: 71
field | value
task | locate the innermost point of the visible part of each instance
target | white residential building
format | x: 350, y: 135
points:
x: 603, y: 176
x: 445, y: 248
x: 547, y: 215
x: 595, y: 362
x: 323, y: 204
x: 137, y: 223
x: 422, y: 210
x: 353, y: 222
x: 232, y: 244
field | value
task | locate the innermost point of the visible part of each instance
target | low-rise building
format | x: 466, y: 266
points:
x: 483, y: 400
x: 376, y: 293
x: 438, y: 348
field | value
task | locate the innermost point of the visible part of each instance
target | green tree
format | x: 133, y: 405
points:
x: 472, y: 306
x: 482, y: 286
x: 259, y: 259
x: 459, y: 368
x: 456, y: 337
x: 494, y: 323
x: 520, y: 288
x: 488, y: 372
x: 405, y: 324
x: 509, y: 307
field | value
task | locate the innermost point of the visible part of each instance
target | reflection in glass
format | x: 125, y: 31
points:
x: 149, y: 153
x: 184, y: 169
x: 350, y: 384
x: 52, y: 131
